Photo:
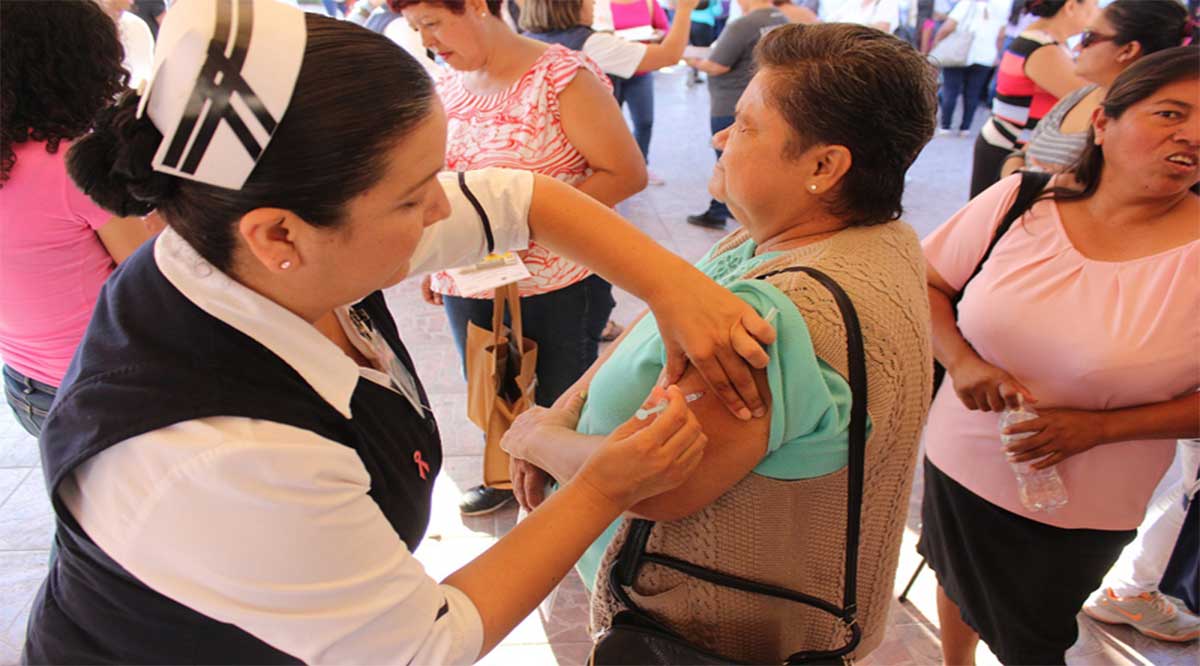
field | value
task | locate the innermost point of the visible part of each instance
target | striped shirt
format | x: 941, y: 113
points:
x: 1049, y: 149
x: 1020, y: 102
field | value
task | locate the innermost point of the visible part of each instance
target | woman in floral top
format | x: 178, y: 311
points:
x: 519, y: 103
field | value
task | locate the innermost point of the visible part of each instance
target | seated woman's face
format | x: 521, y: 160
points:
x: 457, y: 38
x: 754, y: 177
x: 1157, y: 140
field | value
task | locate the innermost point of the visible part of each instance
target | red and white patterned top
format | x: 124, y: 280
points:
x: 520, y: 128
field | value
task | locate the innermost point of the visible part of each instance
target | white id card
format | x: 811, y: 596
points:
x: 494, y: 271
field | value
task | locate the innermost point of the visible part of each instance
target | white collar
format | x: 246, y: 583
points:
x: 320, y: 362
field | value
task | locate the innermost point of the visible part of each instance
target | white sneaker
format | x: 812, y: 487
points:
x: 1149, y: 612
x: 944, y: 132
x: 653, y: 178
x: 964, y: 132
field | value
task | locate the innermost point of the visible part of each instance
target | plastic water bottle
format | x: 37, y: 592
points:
x: 1039, y: 489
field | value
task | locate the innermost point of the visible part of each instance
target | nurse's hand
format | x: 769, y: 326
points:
x: 722, y: 336
x: 641, y: 459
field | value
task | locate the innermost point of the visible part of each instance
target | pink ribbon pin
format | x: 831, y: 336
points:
x: 422, y: 466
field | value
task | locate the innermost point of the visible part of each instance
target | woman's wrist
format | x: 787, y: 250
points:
x: 1109, y: 423
x: 959, y: 358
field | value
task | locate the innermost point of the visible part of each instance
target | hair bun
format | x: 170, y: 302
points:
x: 112, y: 164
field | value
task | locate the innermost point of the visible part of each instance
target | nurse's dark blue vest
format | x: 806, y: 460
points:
x: 151, y: 358
x: 572, y: 38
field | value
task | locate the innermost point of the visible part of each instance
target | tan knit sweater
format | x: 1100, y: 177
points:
x: 792, y: 533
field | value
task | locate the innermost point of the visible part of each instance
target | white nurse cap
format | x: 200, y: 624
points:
x: 224, y: 72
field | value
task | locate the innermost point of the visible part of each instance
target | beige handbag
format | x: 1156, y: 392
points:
x: 500, y: 380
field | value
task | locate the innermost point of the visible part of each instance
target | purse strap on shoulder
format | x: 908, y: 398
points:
x: 633, y: 552
x: 1032, y: 184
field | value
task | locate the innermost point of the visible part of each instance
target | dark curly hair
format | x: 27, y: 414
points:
x: 60, y: 64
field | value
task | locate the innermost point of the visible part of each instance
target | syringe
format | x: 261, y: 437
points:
x: 643, y: 414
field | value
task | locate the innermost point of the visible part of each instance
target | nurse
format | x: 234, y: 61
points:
x: 240, y: 463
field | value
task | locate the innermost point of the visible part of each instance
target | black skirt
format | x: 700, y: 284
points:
x: 1019, y: 583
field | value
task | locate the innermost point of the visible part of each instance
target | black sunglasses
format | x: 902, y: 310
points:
x: 1091, y: 37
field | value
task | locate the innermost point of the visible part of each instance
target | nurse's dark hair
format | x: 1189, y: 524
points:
x: 357, y: 94
x: 1137, y: 83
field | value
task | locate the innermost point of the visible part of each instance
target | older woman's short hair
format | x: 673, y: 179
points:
x: 456, y: 6
x: 550, y: 15
x: 858, y: 87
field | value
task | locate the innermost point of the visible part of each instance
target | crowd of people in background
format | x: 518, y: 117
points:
x: 1082, y: 209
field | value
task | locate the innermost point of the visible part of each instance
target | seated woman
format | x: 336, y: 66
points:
x: 814, y: 168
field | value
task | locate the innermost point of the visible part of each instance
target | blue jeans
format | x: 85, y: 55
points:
x: 566, y: 325
x: 29, y: 399
x: 969, y: 84
x: 716, y: 208
x: 638, y: 93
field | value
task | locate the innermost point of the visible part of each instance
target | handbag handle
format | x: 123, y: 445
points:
x: 633, y: 552
x: 509, y: 296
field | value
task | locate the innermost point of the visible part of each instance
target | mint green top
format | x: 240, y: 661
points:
x: 810, y: 410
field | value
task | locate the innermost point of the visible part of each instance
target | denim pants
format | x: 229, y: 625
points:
x: 29, y: 399
x: 638, y: 93
x: 716, y: 208
x: 566, y: 325
x: 969, y: 84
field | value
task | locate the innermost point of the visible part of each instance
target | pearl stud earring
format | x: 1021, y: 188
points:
x: 285, y: 264
x: 812, y: 188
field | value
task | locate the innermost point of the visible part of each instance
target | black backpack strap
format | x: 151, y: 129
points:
x: 633, y: 552
x: 1032, y: 185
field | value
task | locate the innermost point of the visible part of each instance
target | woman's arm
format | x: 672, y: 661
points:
x: 594, y: 125
x: 1062, y: 433
x: 979, y: 384
x: 1051, y: 68
x: 734, y: 448
x: 639, y: 460
x: 944, y: 32
x: 122, y: 235
x: 546, y: 438
x: 670, y: 50
x: 707, y: 66
x: 584, y: 230
x: 719, y: 338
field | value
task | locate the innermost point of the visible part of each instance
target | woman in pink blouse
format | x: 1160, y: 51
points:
x: 56, y: 247
x: 1089, y: 309
x: 516, y: 102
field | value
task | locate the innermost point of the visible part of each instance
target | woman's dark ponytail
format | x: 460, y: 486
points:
x: 112, y: 164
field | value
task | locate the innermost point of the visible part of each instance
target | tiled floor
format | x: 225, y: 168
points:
x: 557, y: 634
